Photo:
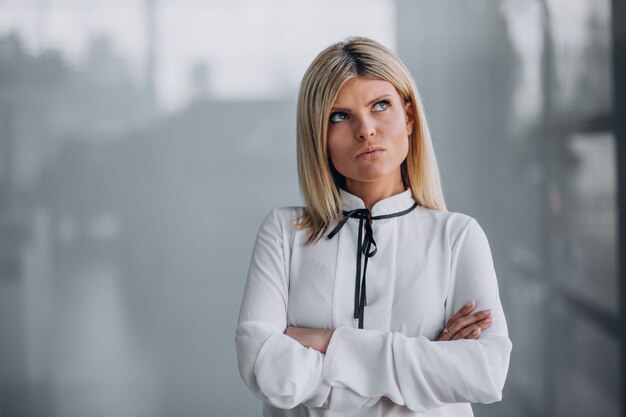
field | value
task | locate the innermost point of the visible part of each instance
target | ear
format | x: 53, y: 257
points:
x: 410, y: 119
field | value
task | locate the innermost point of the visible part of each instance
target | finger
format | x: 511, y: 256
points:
x: 470, y: 332
x: 486, y: 323
x: 463, y: 311
x: 468, y: 320
x: 474, y: 331
x: 475, y: 334
x: 444, y: 336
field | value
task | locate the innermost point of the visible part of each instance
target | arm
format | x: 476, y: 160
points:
x: 423, y: 374
x: 274, y: 366
x: 462, y: 325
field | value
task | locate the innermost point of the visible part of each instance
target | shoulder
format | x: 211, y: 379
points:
x: 284, y: 215
x: 288, y: 214
x: 457, y: 227
x: 280, y: 220
x: 451, y: 222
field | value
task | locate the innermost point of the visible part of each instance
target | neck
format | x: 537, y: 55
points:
x: 373, y: 192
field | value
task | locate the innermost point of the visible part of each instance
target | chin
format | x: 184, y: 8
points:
x: 373, y: 175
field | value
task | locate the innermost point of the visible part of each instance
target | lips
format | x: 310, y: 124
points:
x: 370, y: 150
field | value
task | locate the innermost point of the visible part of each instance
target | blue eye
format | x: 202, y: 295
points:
x: 338, y: 116
x: 381, y: 105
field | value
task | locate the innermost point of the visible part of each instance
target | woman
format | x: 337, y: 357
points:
x: 362, y: 303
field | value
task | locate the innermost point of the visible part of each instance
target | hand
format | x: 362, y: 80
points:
x: 317, y: 339
x: 465, y: 326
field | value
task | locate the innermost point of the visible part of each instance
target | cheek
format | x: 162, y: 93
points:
x: 400, y: 136
x: 336, y: 150
x: 405, y: 146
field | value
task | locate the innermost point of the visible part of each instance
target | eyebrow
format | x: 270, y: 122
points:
x: 334, y: 109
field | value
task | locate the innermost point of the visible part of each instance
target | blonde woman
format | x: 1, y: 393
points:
x: 373, y: 299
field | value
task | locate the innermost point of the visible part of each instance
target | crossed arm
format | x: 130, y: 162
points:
x: 463, y: 325
x: 286, y: 366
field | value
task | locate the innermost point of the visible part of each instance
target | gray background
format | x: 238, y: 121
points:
x: 142, y: 142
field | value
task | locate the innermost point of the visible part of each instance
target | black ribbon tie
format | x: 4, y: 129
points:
x: 364, y: 248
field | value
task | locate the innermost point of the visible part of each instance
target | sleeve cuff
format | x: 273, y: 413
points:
x: 297, y: 379
x: 320, y: 396
x: 354, y: 355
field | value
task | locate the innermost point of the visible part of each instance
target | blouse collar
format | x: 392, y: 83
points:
x: 389, y: 205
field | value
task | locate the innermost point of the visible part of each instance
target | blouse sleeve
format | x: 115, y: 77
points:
x: 422, y: 374
x: 275, y: 367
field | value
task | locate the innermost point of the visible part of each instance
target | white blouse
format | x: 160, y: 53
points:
x: 428, y: 264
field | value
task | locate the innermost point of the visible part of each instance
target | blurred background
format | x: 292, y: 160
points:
x: 142, y: 142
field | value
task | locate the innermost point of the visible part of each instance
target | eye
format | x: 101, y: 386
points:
x: 381, y: 105
x: 338, y: 116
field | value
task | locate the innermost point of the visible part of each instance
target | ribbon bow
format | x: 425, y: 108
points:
x: 364, y: 244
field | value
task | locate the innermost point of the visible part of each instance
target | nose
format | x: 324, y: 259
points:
x: 365, y: 128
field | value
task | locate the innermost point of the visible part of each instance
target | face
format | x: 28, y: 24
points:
x: 368, y: 133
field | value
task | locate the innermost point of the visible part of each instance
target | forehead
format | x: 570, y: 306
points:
x: 361, y: 90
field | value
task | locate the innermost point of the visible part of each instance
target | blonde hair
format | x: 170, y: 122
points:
x: 319, y: 180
